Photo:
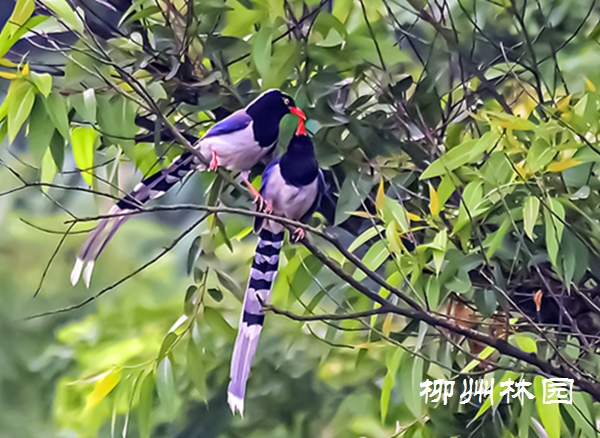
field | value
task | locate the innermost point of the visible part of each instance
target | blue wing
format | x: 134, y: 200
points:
x: 235, y: 122
x: 315, y: 204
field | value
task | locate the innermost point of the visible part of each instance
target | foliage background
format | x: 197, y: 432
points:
x: 507, y: 89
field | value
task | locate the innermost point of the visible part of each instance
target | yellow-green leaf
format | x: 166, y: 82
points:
x: 531, y: 210
x: 65, y: 13
x: 43, y: 82
x: 564, y: 164
x: 434, y: 202
x: 525, y: 343
x: 83, y: 140
x: 102, y: 388
x: 380, y: 197
x: 48, y: 169
x: 549, y: 413
x: 21, y: 102
x: 487, y: 352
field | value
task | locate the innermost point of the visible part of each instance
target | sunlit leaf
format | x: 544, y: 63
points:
x: 83, y: 140
x: 102, y: 388
x: 549, y: 413
x: 531, y: 210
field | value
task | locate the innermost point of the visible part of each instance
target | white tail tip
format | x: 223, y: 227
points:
x: 87, y: 273
x: 236, y: 404
x: 76, y: 272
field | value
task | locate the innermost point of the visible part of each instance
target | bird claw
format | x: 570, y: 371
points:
x: 214, y: 162
x: 262, y: 204
x: 298, y: 235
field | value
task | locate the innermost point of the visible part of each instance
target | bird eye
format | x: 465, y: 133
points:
x: 286, y: 100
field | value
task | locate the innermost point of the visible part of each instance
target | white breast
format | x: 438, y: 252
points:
x: 236, y: 151
x: 289, y: 201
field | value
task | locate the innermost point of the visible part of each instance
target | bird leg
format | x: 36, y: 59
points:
x: 262, y: 204
x: 298, y: 235
x: 214, y: 162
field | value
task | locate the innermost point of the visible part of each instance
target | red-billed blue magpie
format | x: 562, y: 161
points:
x: 292, y: 185
x: 238, y: 143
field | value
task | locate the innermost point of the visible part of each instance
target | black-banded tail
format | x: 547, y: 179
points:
x: 262, y: 275
x: 150, y: 188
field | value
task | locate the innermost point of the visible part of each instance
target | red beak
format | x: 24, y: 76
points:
x: 301, y: 130
x: 298, y: 112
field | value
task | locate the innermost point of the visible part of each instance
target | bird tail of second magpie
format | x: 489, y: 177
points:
x: 150, y: 188
x: 262, y: 275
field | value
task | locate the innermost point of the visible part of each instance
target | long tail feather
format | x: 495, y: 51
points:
x: 262, y: 275
x: 150, y: 188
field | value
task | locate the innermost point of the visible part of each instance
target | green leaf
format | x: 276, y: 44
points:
x: 554, y: 227
x: 43, y: 82
x: 64, y: 12
x: 525, y: 343
x: 305, y: 274
x: 261, y: 49
x: 494, y: 399
x: 531, y: 211
x: 195, y: 366
x: 85, y: 104
x: 392, y: 209
x: 103, y: 387
x: 467, y: 152
x: 83, y: 140
x: 411, y: 375
x: 48, y: 169
x: 540, y: 154
x: 216, y: 321
x: 230, y: 284
x: 353, y: 192
x: 193, y: 254
x: 41, y: 130
x: 580, y: 412
x: 165, y: 386
x: 145, y: 405
x: 549, y: 413
x: 487, y: 352
x: 494, y: 240
x: 167, y: 342
x: 57, y: 148
x: 56, y: 106
x: 375, y: 256
x: 16, y: 26
x: 392, y: 363
x: 216, y: 294
x: 368, y: 234
x: 22, y: 98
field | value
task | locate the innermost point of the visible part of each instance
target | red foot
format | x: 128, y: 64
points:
x: 214, y: 162
x: 262, y: 204
x: 298, y: 235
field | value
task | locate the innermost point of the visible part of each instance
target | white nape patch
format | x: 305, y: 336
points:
x: 236, y: 404
x: 257, y: 275
x: 87, y: 273
x: 76, y: 272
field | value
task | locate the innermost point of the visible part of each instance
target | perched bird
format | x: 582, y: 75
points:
x: 292, y: 185
x: 237, y: 143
